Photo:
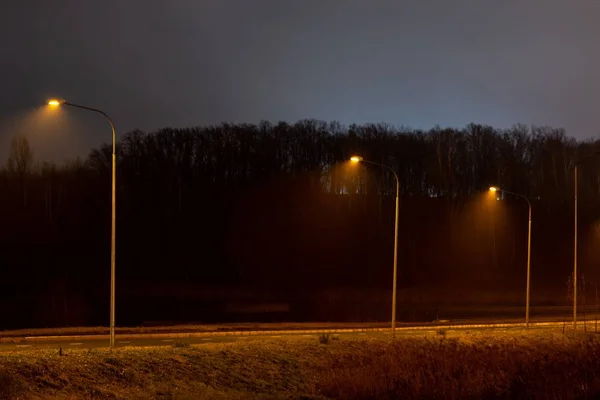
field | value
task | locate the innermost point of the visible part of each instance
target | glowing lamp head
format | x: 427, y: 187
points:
x: 356, y: 159
x: 494, y: 189
x: 55, y: 102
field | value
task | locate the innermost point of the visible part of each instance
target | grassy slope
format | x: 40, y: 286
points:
x: 453, y: 366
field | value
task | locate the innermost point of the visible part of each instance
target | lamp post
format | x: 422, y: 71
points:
x: 527, y: 290
x: 357, y: 159
x: 575, y: 237
x: 56, y: 103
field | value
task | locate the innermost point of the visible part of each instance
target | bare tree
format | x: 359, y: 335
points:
x: 20, y: 161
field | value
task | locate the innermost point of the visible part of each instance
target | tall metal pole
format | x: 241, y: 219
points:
x: 395, y: 278
x: 394, y: 287
x: 113, y: 219
x: 575, y: 185
x: 112, y: 236
x: 575, y: 246
x: 528, y: 288
x: 575, y: 257
x: 528, y: 269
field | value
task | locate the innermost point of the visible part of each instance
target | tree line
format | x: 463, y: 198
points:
x: 278, y: 207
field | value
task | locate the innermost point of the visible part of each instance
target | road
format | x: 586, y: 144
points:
x: 90, y: 343
x: 203, y: 337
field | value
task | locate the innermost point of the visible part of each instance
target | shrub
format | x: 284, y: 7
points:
x: 324, y: 338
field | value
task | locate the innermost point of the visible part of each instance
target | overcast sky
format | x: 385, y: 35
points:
x: 156, y: 63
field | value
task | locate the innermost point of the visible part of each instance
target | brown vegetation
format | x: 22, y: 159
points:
x: 467, y: 365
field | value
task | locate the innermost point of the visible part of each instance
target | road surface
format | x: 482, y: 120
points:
x: 90, y: 343
x: 172, y: 338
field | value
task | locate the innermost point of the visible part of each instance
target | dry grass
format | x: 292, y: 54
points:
x: 472, y: 366
x: 503, y: 364
x: 270, y: 370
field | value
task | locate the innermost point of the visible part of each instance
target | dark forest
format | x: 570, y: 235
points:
x: 270, y: 221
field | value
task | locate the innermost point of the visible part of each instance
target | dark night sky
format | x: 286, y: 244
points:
x: 157, y: 63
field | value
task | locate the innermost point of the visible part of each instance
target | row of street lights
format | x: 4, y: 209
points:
x: 355, y: 159
x: 358, y: 159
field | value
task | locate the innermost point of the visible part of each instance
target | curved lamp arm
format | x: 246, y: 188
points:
x: 389, y: 169
x: 112, y: 125
x: 518, y: 195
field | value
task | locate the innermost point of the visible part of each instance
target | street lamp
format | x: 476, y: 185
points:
x: 357, y: 159
x: 56, y: 103
x: 497, y: 189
